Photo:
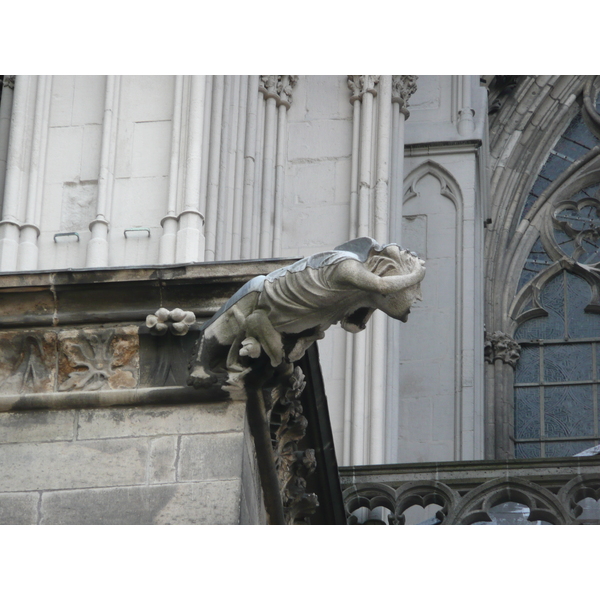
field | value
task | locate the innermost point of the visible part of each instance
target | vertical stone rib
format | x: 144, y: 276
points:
x: 349, y: 362
x: 268, y: 166
x: 168, y: 239
x: 238, y: 196
x: 249, y: 166
x: 97, y: 249
x: 190, y: 241
x: 212, y: 193
x: 403, y: 86
x: 28, y: 245
x: 379, y: 320
x: 9, y: 226
x: 8, y: 84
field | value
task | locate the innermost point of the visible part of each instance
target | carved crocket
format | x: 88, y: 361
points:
x: 283, y: 313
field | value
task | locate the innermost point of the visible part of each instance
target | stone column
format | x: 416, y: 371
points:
x: 466, y: 124
x: 277, y: 93
x: 249, y: 166
x: 97, y: 249
x: 212, y: 192
x: 240, y: 167
x: 168, y: 240
x: 377, y: 158
x: 403, y: 87
x: 28, y: 243
x: 356, y: 418
x: 6, y: 103
x: 190, y: 238
x: 285, y: 85
x: 18, y: 148
x: 501, y: 356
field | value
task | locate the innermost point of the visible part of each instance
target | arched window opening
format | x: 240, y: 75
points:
x: 510, y: 513
x: 419, y: 515
x: 590, y: 511
x: 558, y: 374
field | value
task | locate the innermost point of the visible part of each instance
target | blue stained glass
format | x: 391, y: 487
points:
x: 579, y: 323
x: 536, y: 262
x: 568, y: 411
x: 554, y: 166
x: 528, y: 450
x: 570, y: 148
x: 588, y: 192
x: 579, y: 133
x: 527, y: 413
x: 551, y: 327
x: 528, y: 367
x: 575, y: 142
x: 557, y: 449
x: 572, y: 362
x: 530, y: 202
x: 541, y: 183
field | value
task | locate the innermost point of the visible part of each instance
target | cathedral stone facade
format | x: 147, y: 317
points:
x: 121, y: 195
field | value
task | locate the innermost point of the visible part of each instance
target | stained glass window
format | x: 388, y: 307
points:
x: 576, y: 141
x: 558, y: 374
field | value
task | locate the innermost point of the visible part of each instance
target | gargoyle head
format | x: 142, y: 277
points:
x: 391, y: 261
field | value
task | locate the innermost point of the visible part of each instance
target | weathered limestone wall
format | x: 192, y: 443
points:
x: 190, y: 464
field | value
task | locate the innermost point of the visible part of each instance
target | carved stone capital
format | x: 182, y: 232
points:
x: 278, y: 87
x: 403, y: 87
x: 500, y: 346
x: 360, y: 84
x: 9, y: 81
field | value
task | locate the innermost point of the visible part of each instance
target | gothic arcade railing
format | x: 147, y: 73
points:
x: 560, y: 491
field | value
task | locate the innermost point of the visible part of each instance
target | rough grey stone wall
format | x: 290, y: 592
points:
x: 191, y: 464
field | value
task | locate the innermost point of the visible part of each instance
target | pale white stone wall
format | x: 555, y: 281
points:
x: 142, y: 149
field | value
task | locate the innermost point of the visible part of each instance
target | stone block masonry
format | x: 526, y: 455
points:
x: 190, y: 464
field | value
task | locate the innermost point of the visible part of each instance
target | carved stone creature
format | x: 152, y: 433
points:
x: 281, y: 314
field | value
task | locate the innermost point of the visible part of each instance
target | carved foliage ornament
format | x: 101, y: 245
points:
x: 278, y: 87
x: 98, y: 359
x: 288, y: 426
x: 9, y: 81
x: 500, y: 346
x: 403, y: 87
x: 360, y: 84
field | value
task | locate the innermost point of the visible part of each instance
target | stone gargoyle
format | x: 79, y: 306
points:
x: 278, y: 316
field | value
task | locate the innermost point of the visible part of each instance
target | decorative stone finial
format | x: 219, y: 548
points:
x: 500, y: 346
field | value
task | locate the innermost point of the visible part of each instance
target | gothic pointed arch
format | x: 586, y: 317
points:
x: 545, y: 149
x: 449, y: 187
x: 477, y: 504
